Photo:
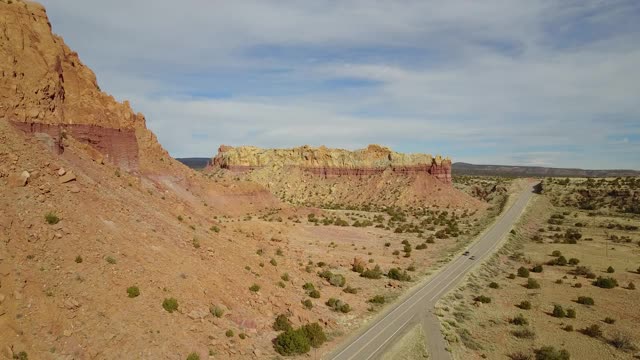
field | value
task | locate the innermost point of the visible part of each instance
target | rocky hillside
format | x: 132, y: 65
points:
x: 371, y: 178
x: 46, y: 89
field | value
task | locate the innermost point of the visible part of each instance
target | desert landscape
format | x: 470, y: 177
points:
x: 111, y: 248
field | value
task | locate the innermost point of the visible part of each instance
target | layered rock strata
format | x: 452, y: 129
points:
x: 327, y: 162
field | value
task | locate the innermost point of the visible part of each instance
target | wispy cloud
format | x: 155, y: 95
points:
x: 535, y: 82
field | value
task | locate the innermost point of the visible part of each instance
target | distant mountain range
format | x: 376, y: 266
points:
x: 461, y: 168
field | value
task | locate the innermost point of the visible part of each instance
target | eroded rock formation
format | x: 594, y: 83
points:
x: 45, y: 88
x: 374, y: 159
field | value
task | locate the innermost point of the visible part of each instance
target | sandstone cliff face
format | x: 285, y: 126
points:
x: 43, y: 82
x: 327, y: 162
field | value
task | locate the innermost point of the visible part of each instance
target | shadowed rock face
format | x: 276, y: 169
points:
x: 327, y: 162
x: 45, y: 88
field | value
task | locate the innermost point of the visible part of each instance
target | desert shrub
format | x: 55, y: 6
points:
x: 592, y: 330
x: 337, y: 280
x: 307, y: 304
x: 315, y: 334
x: 551, y: 353
x: 22, y: 355
x: 411, y: 268
x: 568, y: 328
x: 133, y: 291
x: 242, y: 336
x: 519, y: 356
x: 537, y: 269
x: 605, y: 283
x: 511, y: 276
x: 229, y: 333
x: 338, y: 305
x: 525, y: 333
x: 585, y: 300
x: 621, y: 341
x: 611, y: 270
x: 397, y: 274
x: 378, y: 299
x: 519, y: 320
x: 523, y: 272
x: 631, y: 286
x: 494, y: 285
x: 350, y: 290
x: 532, y: 284
x: 558, y: 311
x: 170, y: 304
x: 308, y: 286
x: 273, y: 262
x: 193, y: 356
x: 51, y: 218
x: 556, y: 253
x: 577, y: 285
x: 314, y: 294
x: 196, y: 243
x: 78, y: 259
x: 396, y: 252
x: 282, y: 323
x: 559, y: 281
x: 574, y: 261
x: 111, y: 260
x: 375, y: 273
x: 525, y: 305
x: 483, y: 299
x: 215, y: 229
x: 609, y: 320
x: 357, y: 267
x: 571, y: 313
x: 285, y: 277
x: 421, y: 246
x: 254, y: 288
x: 216, y: 311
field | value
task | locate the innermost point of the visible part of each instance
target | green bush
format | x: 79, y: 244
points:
x: 574, y: 261
x: 611, y: 270
x: 519, y: 320
x: 375, y: 273
x: 523, y: 272
x: 532, y: 284
x: 338, y: 305
x: 350, y: 290
x: 568, y: 328
x: 525, y: 305
x: 524, y: 333
x: 254, y: 288
x: 292, y: 342
x: 285, y: 277
x: 609, y: 320
x: 537, y: 269
x: 170, y: 304
x: 585, y: 300
x: 556, y: 253
x: 282, y: 323
x: 315, y: 334
x: 307, y: 304
x: 397, y: 274
x: 511, y: 276
x: 111, y: 260
x: 558, y: 311
x: 193, y: 356
x: 22, y: 355
x: 494, y: 285
x: 378, y: 299
x: 571, y: 313
x: 78, y: 259
x: 314, y: 294
x: 483, y: 299
x: 229, y: 333
x: 631, y: 286
x: 133, y: 291
x: 216, y: 311
x: 273, y: 262
x: 605, y: 283
x: 51, y: 218
x: 550, y: 353
x: 592, y: 330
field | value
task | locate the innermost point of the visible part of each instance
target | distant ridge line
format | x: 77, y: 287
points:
x: 462, y: 168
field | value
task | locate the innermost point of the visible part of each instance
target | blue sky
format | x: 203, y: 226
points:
x: 550, y: 83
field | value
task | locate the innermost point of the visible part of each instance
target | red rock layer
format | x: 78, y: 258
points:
x: 119, y: 146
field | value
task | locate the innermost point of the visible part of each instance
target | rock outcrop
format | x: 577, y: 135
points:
x: 374, y: 159
x: 45, y: 88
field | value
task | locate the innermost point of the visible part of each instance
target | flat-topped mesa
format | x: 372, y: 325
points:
x: 327, y: 162
x: 45, y: 88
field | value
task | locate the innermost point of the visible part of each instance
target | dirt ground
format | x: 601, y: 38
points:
x: 609, y: 237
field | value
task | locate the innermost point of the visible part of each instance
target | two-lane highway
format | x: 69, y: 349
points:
x: 372, y: 340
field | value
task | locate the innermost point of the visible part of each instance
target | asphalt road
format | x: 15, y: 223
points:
x: 372, y: 340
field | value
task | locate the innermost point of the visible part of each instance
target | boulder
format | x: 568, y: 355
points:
x: 18, y: 180
x: 67, y: 177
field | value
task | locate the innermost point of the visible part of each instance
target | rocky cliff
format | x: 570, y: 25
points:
x: 45, y: 88
x: 327, y: 162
